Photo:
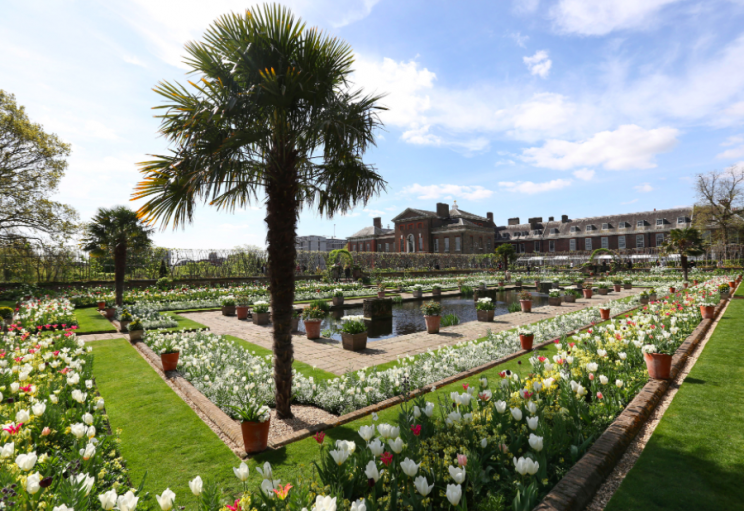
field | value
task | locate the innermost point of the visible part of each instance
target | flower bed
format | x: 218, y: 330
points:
x: 45, y: 314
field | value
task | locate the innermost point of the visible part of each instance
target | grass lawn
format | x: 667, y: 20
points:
x: 183, y: 323
x: 695, y: 458
x: 160, y: 434
x: 89, y: 320
x: 8, y: 303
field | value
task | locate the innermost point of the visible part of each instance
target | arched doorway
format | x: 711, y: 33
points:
x: 411, y: 245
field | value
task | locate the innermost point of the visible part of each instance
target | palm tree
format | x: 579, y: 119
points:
x: 505, y: 252
x: 272, y: 112
x: 113, y: 232
x: 685, y: 242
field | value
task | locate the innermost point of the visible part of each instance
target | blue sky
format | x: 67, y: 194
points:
x: 523, y: 108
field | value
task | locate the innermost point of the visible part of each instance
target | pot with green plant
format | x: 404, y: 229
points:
x: 169, y: 353
x: 724, y: 290
x: 644, y: 297
x: 570, y: 295
x: 436, y: 290
x: 617, y: 285
x: 242, y: 304
x: 525, y: 301
x: 417, y: 291
x: 261, y: 313
x: 588, y: 293
x: 460, y: 283
x: 432, y: 315
x: 110, y: 310
x: 672, y: 289
x: 228, y: 305
x: 136, y: 330
x: 381, y: 290
x: 124, y: 319
x: 555, y: 298
x: 732, y: 284
x: 708, y: 310
x: 603, y: 288
x: 353, y: 333
x: 518, y: 283
x: 484, y: 308
x: 101, y: 305
x: 604, y: 313
x: 296, y: 319
x: 652, y: 295
x: 526, y: 338
x: 255, y: 421
x: 312, y: 317
x: 338, y: 297
x: 628, y: 284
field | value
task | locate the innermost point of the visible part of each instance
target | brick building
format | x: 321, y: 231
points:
x: 628, y: 231
x: 445, y: 231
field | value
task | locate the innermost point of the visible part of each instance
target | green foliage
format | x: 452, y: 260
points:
x: 466, y: 291
x: 321, y: 304
x: 6, y: 313
x: 525, y: 295
x: 506, y: 253
x: 450, y: 320
x: 431, y: 308
x: 135, y: 326
x: 313, y: 313
x: 163, y: 270
x: 164, y: 283
x: 353, y: 326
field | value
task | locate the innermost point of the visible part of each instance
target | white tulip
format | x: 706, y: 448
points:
x: 410, y: 467
x: 54, y: 399
x: 422, y: 486
x: 367, y: 433
x: 196, y: 485
x: 454, y: 494
x: 429, y: 410
x: 79, y: 396
x: 371, y: 471
x: 603, y: 379
x: 376, y: 447
x: 242, y: 472
x: 517, y: 414
x: 14, y: 387
x: 100, y: 404
x: 32, y: 483
x: 22, y: 416
x: 339, y: 456
x: 619, y: 383
x: 536, y: 442
x: 88, y: 418
x: 127, y: 502
x: 62, y: 507
x: 592, y: 367
x: 359, y: 505
x: 108, y: 500
x: 26, y: 461
x: 396, y: 445
x: 457, y: 474
x: 85, y: 481
x: 38, y: 409
x: 532, y: 423
x: 267, y: 472
x: 90, y: 431
x: 532, y: 407
x: 88, y: 452
x: 484, y: 442
x: 324, y: 503
x: 500, y: 406
x: 525, y: 466
x: 8, y: 450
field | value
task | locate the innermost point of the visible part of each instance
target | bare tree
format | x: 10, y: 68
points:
x: 720, y: 200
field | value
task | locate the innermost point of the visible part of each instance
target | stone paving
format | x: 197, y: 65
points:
x: 327, y: 354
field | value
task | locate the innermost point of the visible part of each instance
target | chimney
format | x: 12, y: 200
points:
x: 564, y: 218
x: 442, y: 210
x: 535, y: 220
x: 551, y: 219
x: 514, y: 221
x: 489, y: 215
x: 377, y: 221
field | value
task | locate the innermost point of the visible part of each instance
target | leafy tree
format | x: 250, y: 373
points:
x: 112, y: 233
x: 31, y: 164
x: 720, y: 200
x: 506, y: 253
x: 685, y: 242
x: 271, y: 113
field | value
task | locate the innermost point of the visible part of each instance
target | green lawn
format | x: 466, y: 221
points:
x: 160, y: 434
x: 695, y: 458
x: 183, y: 323
x: 89, y: 320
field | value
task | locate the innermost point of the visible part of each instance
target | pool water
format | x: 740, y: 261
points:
x: 408, y: 319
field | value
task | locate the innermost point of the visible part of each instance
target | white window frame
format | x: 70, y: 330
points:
x: 605, y: 243
x: 458, y: 244
x: 589, y: 228
x: 436, y: 244
x: 659, y: 236
x: 621, y: 242
x: 572, y: 245
x: 642, y: 239
x: 605, y: 227
x: 551, y: 245
x: 622, y: 225
x: 387, y: 247
x: 640, y: 223
x: 421, y: 243
x: 681, y: 219
x: 588, y: 244
x: 447, y: 244
x: 659, y: 222
x: 575, y: 228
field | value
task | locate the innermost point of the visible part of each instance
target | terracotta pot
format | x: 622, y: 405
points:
x: 603, y: 290
x: 732, y: 285
x: 604, y: 314
x: 101, y: 306
x: 436, y: 292
x: 110, y: 312
x: 569, y: 298
x: 707, y: 311
x: 381, y: 294
x: 485, y: 316
x: 526, y: 305
x: 255, y: 435
x: 686, y: 285
x: 260, y: 318
x: 295, y: 323
x: 658, y: 365
x: 555, y: 301
x: 417, y: 294
x: 617, y: 288
x: 432, y: 324
x: 136, y: 335
x: 526, y: 341
x: 672, y: 289
x: 587, y: 293
x: 695, y: 282
x: 339, y: 300
x: 242, y: 311
x: 228, y: 310
x: 169, y: 360
x: 312, y: 328
x: 354, y: 342
x: 501, y: 282
x: 628, y: 286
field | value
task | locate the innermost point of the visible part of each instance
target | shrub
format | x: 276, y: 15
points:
x: 431, y: 308
x: 515, y: 307
x: 554, y: 294
x: 6, y: 313
x: 450, y: 320
x: 164, y: 283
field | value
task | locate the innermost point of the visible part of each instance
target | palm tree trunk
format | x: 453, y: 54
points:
x: 683, y: 259
x: 281, y: 219
x: 120, y: 268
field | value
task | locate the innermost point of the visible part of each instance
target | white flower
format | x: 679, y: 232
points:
x: 86, y: 482
x: 88, y: 418
x: 422, y: 486
x: 26, y: 461
x: 346, y: 445
x: 517, y: 414
x: 367, y: 433
x: 622, y: 355
x: 266, y: 473
x: 416, y: 412
x: 79, y: 396
x: 603, y: 379
x: 649, y: 348
x: 376, y: 447
x: 484, y: 442
x: 500, y: 406
x: 429, y: 410
x: 532, y: 407
x: 536, y: 442
x: 127, y: 502
x: 525, y: 466
x: 38, y: 409
x: 88, y: 452
x: 601, y: 353
x: 371, y: 471
x: 54, y: 399
x: 410, y: 467
x: 396, y: 445
x: 457, y: 474
x: 196, y: 485
x: 242, y: 472
x: 108, y: 500
x: 359, y: 505
x: 22, y: 416
x: 32, y: 483
x: 619, y: 383
x: 532, y: 423
x: 8, y: 450
x: 454, y: 494
x: 339, y: 456
x: 592, y: 367
x: 324, y: 503
x: 62, y: 507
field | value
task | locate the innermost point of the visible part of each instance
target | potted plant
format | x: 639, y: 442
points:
x: 723, y: 290
x: 482, y: 285
x: 537, y: 284
x: 617, y: 285
x: 242, y: 302
x: 658, y: 357
x: 110, y: 309
x: 603, y: 288
x: 460, y: 283
x: 381, y: 290
x: 417, y: 291
x: 644, y: 297
x: 732, y: 284
x: 604, y: 313
x: 694, y: 282
x: 628, y: 284
x: 554, y: 298
x: 261, y: 313
x: 135, y: 330
x: 672, y: 289
x: 501, y: 282
x: 525, y: 300
x: 652, y: 295
x: 124, y: 319
x: 228, y: 306
x: 312, y: 317
x: 296, y: 319
x: 579, y: 284
x: 587, y: 291
x: 353, y: 333
x: 255, y: 421
x: 436, y: 290
x: 101, y: 304
x: 570, y: 295
x: 169, y: 354
x: 432, y: 315
x: 518, y: 283
x: 484, y: 309
x: 526, y: 338
x: 708, y: 310
x: 338, y: 297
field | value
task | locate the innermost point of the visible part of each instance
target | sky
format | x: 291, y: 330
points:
x: 522, y: 108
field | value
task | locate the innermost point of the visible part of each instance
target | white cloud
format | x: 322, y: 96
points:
x: 644, y: 188
x: 584, y: 174
x: 539, y: 64
x: 735, y: 152
x: 519, y: 39
x: 425, y: 192
x: 530, y: 188
x: 628, y: 147
x: 600, y: 17
x: 525, y: 6
x: 373, y: 212
x: 630, y: 202
x: 131, y: 59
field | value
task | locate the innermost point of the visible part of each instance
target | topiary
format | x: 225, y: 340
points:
x: 6, y: 313
x: 164, y: 283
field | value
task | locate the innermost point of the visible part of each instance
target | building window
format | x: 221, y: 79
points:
x: 411, y: 244
x: 387, y: 247
x: 623, y: 225
x: 659, y: 239
x: 572, y: 245
x: 640, y: 241
x: 589, y: 228
x: 368, y: 250
x: 659, y: 222
x: 446, y: 245
x: 537, y: 246
x: 521, y: 248
x: 621, y: 242
x: 436, y: 245
x: 458, y: 242
x: 640, y: 223
x: 682, y: 220
x: 401, y: 243
x: 551, y: 245
x: 488, y: 244
x: 605, y: 227
x: 605, y: 242
x: 587, y: 243
x: 553, y: 231
x: 421, y: 243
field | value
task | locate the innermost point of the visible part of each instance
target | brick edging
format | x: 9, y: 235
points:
x: 577, y: 488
